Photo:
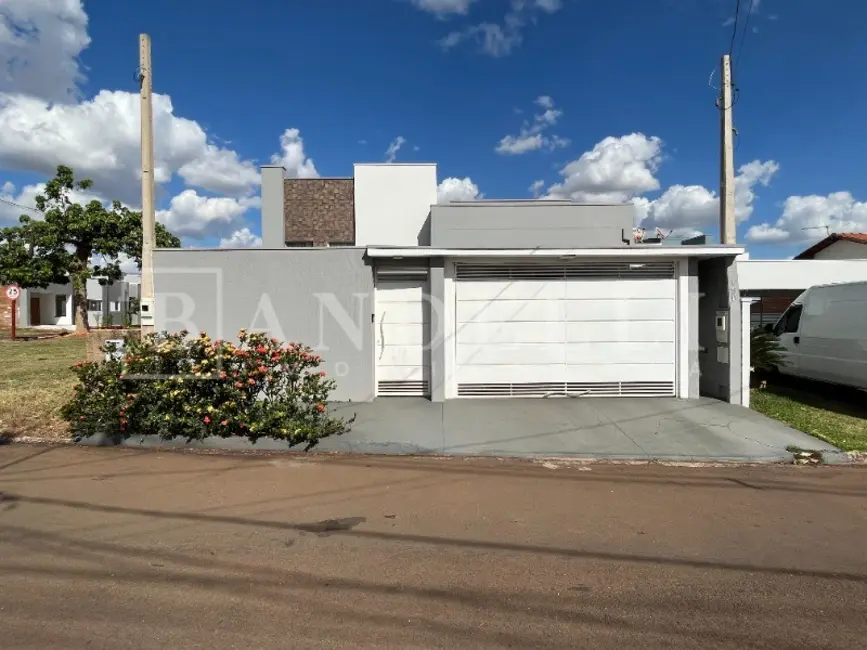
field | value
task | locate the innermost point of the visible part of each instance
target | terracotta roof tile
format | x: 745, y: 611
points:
x: 810, y: 253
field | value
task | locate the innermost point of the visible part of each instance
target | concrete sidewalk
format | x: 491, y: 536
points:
x: 594, y: 428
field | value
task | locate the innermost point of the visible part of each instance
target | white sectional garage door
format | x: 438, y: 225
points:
x: 604, y: 328
x: 401, y: 329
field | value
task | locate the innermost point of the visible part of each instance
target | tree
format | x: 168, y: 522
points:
x: 67, y: 243
x: 767, y: 354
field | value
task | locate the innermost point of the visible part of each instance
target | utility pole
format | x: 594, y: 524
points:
x: 148, y: 217
x: 727, y: 232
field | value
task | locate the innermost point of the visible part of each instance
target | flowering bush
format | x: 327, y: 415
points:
x: 179, y: 387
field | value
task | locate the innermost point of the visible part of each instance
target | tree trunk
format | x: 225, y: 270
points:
x: 79, y: 291
x: 79, y: 308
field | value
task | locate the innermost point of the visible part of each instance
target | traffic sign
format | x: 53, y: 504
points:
x: 12, y: 292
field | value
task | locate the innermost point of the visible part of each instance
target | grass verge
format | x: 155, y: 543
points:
x: 840, y: 423
x: 35, y: 381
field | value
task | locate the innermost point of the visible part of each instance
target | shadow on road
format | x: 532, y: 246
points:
x: 352, y: 531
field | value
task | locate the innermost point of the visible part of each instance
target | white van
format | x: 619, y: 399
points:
x: 824, y: 333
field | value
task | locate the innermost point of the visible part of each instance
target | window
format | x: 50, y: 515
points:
x: 789, y: 322
x: 300, y: 244
x: 60, y: 306
x: 340, y: 243
x: 115, y: 305
x: 94, y: 305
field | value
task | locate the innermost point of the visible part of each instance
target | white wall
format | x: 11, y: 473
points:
x: 843, y: 250
x: 47, y: 307
x: 756, y: 275
x: 392, y: 203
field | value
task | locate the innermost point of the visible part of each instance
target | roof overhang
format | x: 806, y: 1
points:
x: 677, y: 252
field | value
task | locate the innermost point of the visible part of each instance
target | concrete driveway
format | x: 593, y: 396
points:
x: 620, y: 428
x: 599, y: 428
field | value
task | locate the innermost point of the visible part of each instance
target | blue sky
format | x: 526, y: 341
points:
x: 589, y: 100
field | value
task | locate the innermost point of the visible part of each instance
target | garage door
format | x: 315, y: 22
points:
x: 604, y: 329
x: 401, y: 329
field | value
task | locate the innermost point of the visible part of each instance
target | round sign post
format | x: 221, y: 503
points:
x: 13, y: 293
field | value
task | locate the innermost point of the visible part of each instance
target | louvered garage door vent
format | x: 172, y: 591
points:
x: 599, y: 270
x: 578, y: 389
x: 411, y: 388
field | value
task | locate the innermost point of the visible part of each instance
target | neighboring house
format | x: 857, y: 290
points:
x: 52, y: 306
x: 481, y: 299
x: 838, y: 246
x: 840, y: 257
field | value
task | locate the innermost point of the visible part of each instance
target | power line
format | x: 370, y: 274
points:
x: 744, y: 34
x: 18, y: 205
x: 735, y: 27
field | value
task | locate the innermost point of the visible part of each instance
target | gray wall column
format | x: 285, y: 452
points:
x: 437, y: 292
x: 273, y: 235
x: 693, y: 320
x: 720, y: 362
x: 736, y: 395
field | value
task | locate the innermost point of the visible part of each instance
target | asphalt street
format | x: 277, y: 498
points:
x: 121, y: 548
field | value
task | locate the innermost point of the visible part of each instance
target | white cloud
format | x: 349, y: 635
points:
x: 536, y: 187
x: 532, y: 136
x: 292, y: 156
x: 25, y: 202
x: 499, y: 40
x: 393, y: 148
x: 696, y: 207
x: 808, y: 218
x: 443, y: 8
x: 40, y: 41
x: 458, y: 189
x: 242, y: 238
x: 614, y: 171
x: 549, y: 6
x: 100, y: 139
x: 192, y: 215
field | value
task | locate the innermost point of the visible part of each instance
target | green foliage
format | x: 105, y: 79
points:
x: 60, y: 247
x: 766, y: 352
x: 106, y: 320
x: 179, y: 387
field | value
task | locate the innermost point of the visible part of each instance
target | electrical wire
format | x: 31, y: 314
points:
x: 735, y: 27
x: 743, y: 36
x: 18, y: 205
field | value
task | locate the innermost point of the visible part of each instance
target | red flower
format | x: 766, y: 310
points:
x: 261, y: 349
x: 224, y: 423
x: 206, y: 420
x: 251, y: 381
x: 223, y: 374
x: 321, y: 373
x: 238, y: 384
x: 320, y: 407
x: 262, y: 369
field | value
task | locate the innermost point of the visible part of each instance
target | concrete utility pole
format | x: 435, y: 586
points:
x: 727, y: 232
x: 147, y: 186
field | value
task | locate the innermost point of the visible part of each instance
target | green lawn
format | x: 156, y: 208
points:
x: 35, y: 381
x: 840, y: 422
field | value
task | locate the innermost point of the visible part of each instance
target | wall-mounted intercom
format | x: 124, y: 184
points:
x: 722, y: 326
x: 147, y: 311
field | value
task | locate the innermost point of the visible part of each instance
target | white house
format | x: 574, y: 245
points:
x: 51, y: 307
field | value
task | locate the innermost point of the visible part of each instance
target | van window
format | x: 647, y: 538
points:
x: 793, y: 319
